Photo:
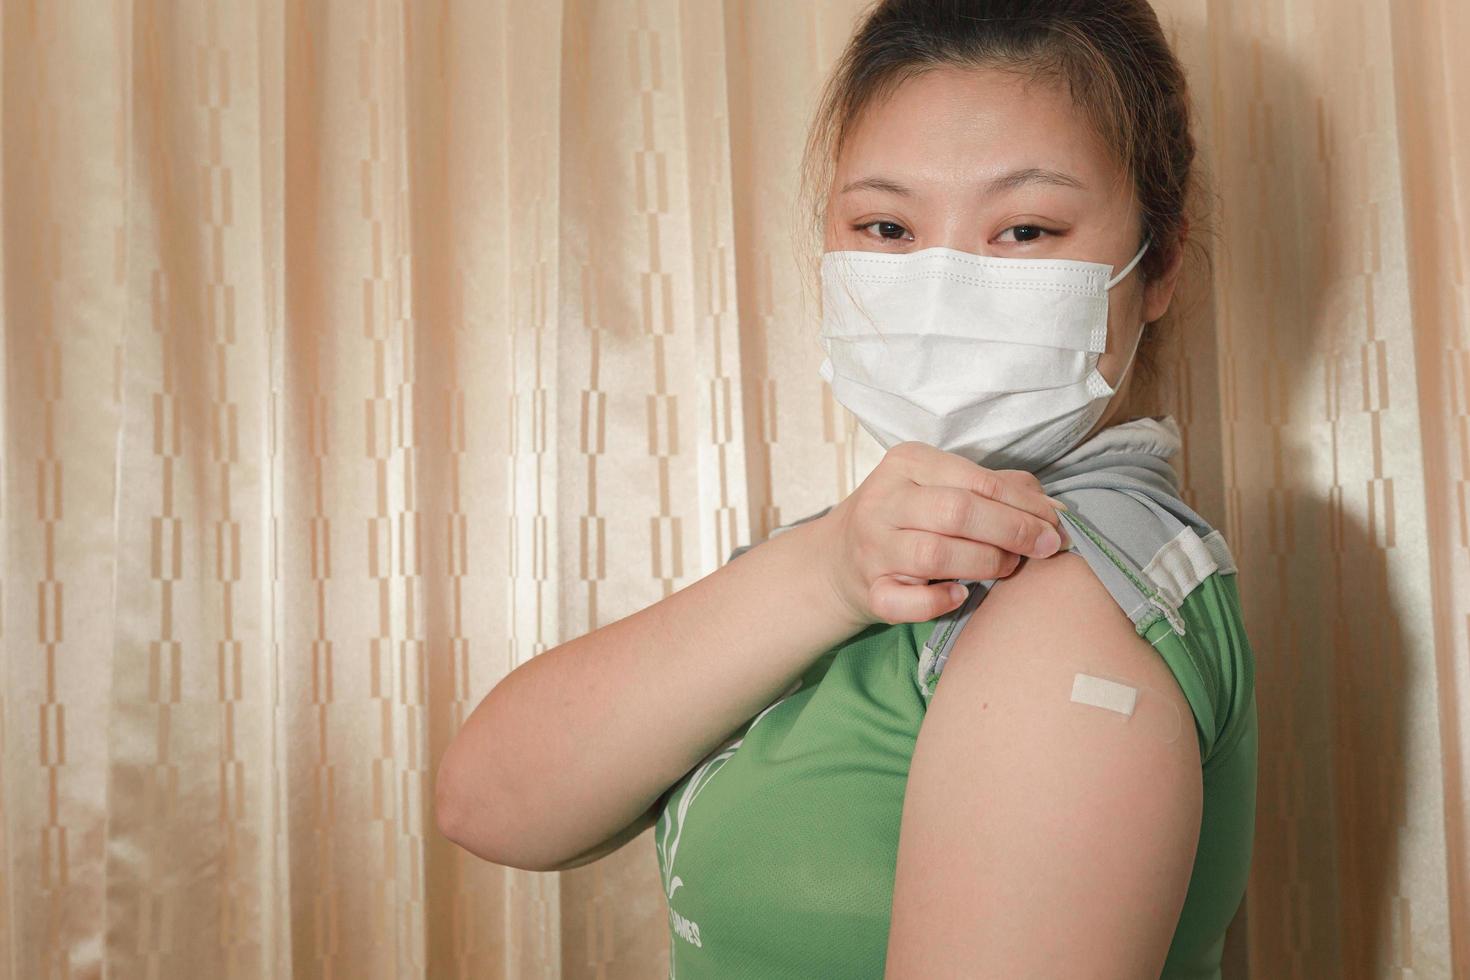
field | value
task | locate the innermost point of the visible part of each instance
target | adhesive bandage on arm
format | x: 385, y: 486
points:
x: 1141, y: 706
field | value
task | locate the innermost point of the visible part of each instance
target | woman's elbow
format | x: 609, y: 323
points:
x: 448, y: 805
x: 459, y: 812
x: 447, y: 813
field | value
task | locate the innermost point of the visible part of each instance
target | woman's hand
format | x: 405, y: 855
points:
x: 925, y: 514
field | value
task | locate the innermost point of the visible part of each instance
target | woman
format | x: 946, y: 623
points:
x: 1002, y: 189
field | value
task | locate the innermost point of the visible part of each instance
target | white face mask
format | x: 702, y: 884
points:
x: 991, y: 358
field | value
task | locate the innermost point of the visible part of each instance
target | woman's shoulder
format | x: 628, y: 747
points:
x: 1175, y: 576
x: 1048, y: 642
x: 1054, y: 613
x: 1133, y: 546
x: 1054, y: 630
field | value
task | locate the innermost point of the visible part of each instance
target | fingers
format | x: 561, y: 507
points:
x: 934, y: 515
x: 1028, y: 483
x: 961, y: 514
x: 931, y: 556
x: 925, y: 465
x: 894, y: 602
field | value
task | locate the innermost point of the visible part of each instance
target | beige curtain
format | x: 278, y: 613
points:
x: 357, y: 351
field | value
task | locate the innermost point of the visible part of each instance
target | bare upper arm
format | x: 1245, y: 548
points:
x: 644, y: 820
x: 1042, y: 837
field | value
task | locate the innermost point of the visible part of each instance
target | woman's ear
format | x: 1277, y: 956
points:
x: 1159, y: 292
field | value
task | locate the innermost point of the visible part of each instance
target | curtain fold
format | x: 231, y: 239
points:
x: 356, y: 353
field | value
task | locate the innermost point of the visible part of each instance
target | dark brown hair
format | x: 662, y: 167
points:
x: 1112, y: 56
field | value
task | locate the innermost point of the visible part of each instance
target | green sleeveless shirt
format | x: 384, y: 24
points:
x: 778, y: 850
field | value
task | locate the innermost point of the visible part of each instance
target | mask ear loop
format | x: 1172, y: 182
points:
x: 1138, y: 336
x: 1129, y: 267
x: 1128, y: 364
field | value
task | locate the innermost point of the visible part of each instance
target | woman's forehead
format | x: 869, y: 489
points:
x: 969, y: 131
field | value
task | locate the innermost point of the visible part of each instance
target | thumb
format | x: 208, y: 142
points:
x: 893, y: 601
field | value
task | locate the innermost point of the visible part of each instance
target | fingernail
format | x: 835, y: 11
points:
x: 1047, y: 543
x: 1057, y: 503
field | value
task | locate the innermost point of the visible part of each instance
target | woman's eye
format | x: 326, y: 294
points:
x: 1023, y: 233
x: 891, y: 230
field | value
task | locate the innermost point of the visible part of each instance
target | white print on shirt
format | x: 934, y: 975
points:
x: 684, y: 928
x: 671, y: 822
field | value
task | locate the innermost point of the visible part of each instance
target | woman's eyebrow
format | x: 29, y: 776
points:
x: 877, y: 184
x: 1031, y: 175
x: 1005, y: 182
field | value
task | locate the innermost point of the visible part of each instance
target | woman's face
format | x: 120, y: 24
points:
x: 994, y: 163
